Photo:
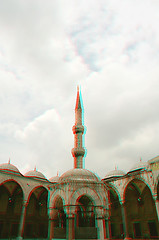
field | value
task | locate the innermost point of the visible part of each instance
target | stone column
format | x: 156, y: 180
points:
x: 106, y: 225
x: 51, y: 229
x: 100, y: 222
x: 157, y: 206
x: 22, y: 220
x: 107, y: 234
x: 52, y: 215
x: 124, y: 218
x: 70, y: 222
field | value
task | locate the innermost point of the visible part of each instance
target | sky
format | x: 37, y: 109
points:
x: 111, y: 50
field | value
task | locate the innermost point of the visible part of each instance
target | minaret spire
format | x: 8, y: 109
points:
x: 78, y: 129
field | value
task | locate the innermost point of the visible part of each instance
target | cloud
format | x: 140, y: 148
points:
x: 47, y: 48
x: 44, y: 140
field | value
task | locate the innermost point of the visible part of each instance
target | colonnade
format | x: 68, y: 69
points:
x: 71, y: 215
x: 103, y: 220
x: 136, y: 214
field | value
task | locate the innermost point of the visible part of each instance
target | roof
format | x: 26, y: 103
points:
x: 54, y: 179
x: 154, y: 160
x: 138, y: 166
x: 9, y: 168
x: 114, y: 173
x: 35, y: 174
x: 79, y: 174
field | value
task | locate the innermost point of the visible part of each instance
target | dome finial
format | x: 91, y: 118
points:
x: 35, y: 168
x: 9, y: 161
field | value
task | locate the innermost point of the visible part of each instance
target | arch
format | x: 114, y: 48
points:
x: 56, y: 193
x: 116, y: 228
x: 115, y: 190
x: 4, y: 180
x: 33, y: 190
x: 57, y: 216
x: 88, y: 192
x: 129, y: 181
x: 157, y: 187
x: 11, y: 200
x: 85, y: 212
x: 85, y: 215
x: 36, y: 220
x: 140, y: 209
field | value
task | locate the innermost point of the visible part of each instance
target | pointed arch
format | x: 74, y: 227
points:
x: 18, y: 182
x: 131, y: 180
x: 36, y: 220
x: 92, y: 194
x: 11, y: 200
x: 157, y: 187
x: 56, y: 193
x: 140, y: 208
x: 57, y: 213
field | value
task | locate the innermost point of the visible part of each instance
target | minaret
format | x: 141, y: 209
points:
x: 78, y: 129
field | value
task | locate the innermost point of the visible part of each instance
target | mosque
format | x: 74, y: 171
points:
x: 78, y: 204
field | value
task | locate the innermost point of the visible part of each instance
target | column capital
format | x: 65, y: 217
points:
x: 70, y: 210
x: 155, y: 197
x: 100, y: 212
x: 25, y: 203
x: 52, y: 211
x: 122, y: 202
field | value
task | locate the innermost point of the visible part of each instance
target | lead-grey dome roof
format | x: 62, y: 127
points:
x: 54, y: 179
x: 138, y: 166
x: 35, y: 174
x: 10, y: 168
x: 115, y: 173
x: 79, y: 174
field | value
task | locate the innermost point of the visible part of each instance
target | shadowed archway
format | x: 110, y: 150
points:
x: 11, y: 198
x: 85, y: 222
x: 140, y: 210
x: 58, y: 219
x: 36, y: 222
x: 116, y: 221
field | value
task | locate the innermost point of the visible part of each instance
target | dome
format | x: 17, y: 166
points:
x: 79, y: 174
x: 154, y: 160
x: 54, y: 179
x: 115, y: 173
x: 35, y: 174
x: 138, y: 166
x: 7, y: 167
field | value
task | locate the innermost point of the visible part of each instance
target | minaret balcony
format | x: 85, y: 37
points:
x: 78, y: 129
x: 76, y: 152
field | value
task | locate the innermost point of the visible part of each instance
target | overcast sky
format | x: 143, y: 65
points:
x: 111, y: 49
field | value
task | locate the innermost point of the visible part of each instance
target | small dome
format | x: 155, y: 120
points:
x: 54, y: 179
x: 138, y: 166
x: 154, y: 160
x: 115, y: 173
x: 35, y: 174
x: 7, y: 167
x: 79, y: 174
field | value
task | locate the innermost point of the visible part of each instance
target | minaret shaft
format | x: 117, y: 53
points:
x: 78, y: 129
